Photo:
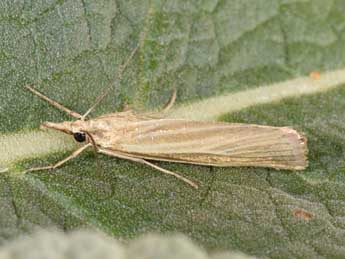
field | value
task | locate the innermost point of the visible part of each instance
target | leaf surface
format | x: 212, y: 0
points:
x: 71, y: 50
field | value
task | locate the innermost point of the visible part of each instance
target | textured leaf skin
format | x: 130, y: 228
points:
x: 70, y: 50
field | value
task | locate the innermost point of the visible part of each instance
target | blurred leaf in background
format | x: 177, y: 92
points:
x: 71, y: 50
x: 89, y: 245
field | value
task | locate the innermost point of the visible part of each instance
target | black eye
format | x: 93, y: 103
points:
x: 79, y: 136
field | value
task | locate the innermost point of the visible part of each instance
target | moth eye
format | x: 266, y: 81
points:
x: 79, y: 136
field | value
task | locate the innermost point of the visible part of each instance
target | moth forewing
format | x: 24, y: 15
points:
x: 209, y: 143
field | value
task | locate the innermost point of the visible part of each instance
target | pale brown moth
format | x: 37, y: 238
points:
x: 141, y: 137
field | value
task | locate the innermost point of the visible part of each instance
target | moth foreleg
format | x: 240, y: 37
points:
x: 143, y: 161
x: 73, y: 155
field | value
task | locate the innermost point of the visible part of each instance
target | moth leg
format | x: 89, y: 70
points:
x: 171, y: 102
x: 73, y: 155
x: 143, y: 161
x: 126, y: 107
x: 166, y: 107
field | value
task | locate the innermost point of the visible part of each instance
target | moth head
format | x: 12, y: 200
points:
x: 79, y: 136
x: 67, y: 127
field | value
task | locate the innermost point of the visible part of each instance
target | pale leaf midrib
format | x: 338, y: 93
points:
x: 36, y: 143
x: 214, y: 107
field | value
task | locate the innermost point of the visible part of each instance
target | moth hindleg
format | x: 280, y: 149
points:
x: 71, y: 156
x: 143, y: 161
x: 165, y: 108
x: 171, y: 102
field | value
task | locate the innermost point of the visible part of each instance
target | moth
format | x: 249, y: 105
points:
x: 144, y: 138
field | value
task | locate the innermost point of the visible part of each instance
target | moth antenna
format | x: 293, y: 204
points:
x: 54, y: 103
x: 118, y: 77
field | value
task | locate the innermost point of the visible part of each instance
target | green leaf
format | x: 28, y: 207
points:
x: 89, y: 245
x: 71, y: 50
